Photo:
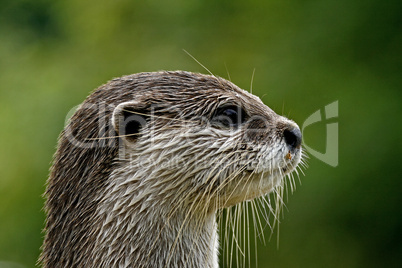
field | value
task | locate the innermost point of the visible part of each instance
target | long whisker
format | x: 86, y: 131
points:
x: 191, y: 56
x: 251, y: 83
x: 227, y: 71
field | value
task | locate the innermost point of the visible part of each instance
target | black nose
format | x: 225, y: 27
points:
x: 293, y: 137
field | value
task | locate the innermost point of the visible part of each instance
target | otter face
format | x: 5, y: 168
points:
x: 205, y: 139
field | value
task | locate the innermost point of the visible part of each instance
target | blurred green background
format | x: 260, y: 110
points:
x: 306, y: 54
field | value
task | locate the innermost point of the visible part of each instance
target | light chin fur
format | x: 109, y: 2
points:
x: 260, y: 182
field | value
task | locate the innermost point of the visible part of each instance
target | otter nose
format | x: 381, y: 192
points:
x: 293, y: 137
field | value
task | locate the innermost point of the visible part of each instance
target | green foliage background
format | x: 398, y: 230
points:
x: 306, y: 54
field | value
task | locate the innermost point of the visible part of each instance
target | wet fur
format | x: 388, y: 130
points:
x: 150, y: 200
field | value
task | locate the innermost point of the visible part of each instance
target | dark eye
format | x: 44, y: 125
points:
x: 229, y: 116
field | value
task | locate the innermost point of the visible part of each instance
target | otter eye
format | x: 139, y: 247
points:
x: 229, y: 116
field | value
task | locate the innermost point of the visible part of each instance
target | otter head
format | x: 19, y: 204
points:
x: 155, y: 150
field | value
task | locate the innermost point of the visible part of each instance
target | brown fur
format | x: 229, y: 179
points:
x: 80, y: 174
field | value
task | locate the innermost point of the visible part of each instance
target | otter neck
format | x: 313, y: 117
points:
x: 143, y: 229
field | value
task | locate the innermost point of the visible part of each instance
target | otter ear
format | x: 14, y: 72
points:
x: 128, y: 119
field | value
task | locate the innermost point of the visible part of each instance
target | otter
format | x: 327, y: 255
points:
x: 148, y: 159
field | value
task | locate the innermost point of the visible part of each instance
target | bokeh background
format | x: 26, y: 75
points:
x: 306, y: 54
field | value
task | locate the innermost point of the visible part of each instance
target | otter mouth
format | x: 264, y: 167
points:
x: 285, y: 170
x: 285, y: 164
x: 290, y: 166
